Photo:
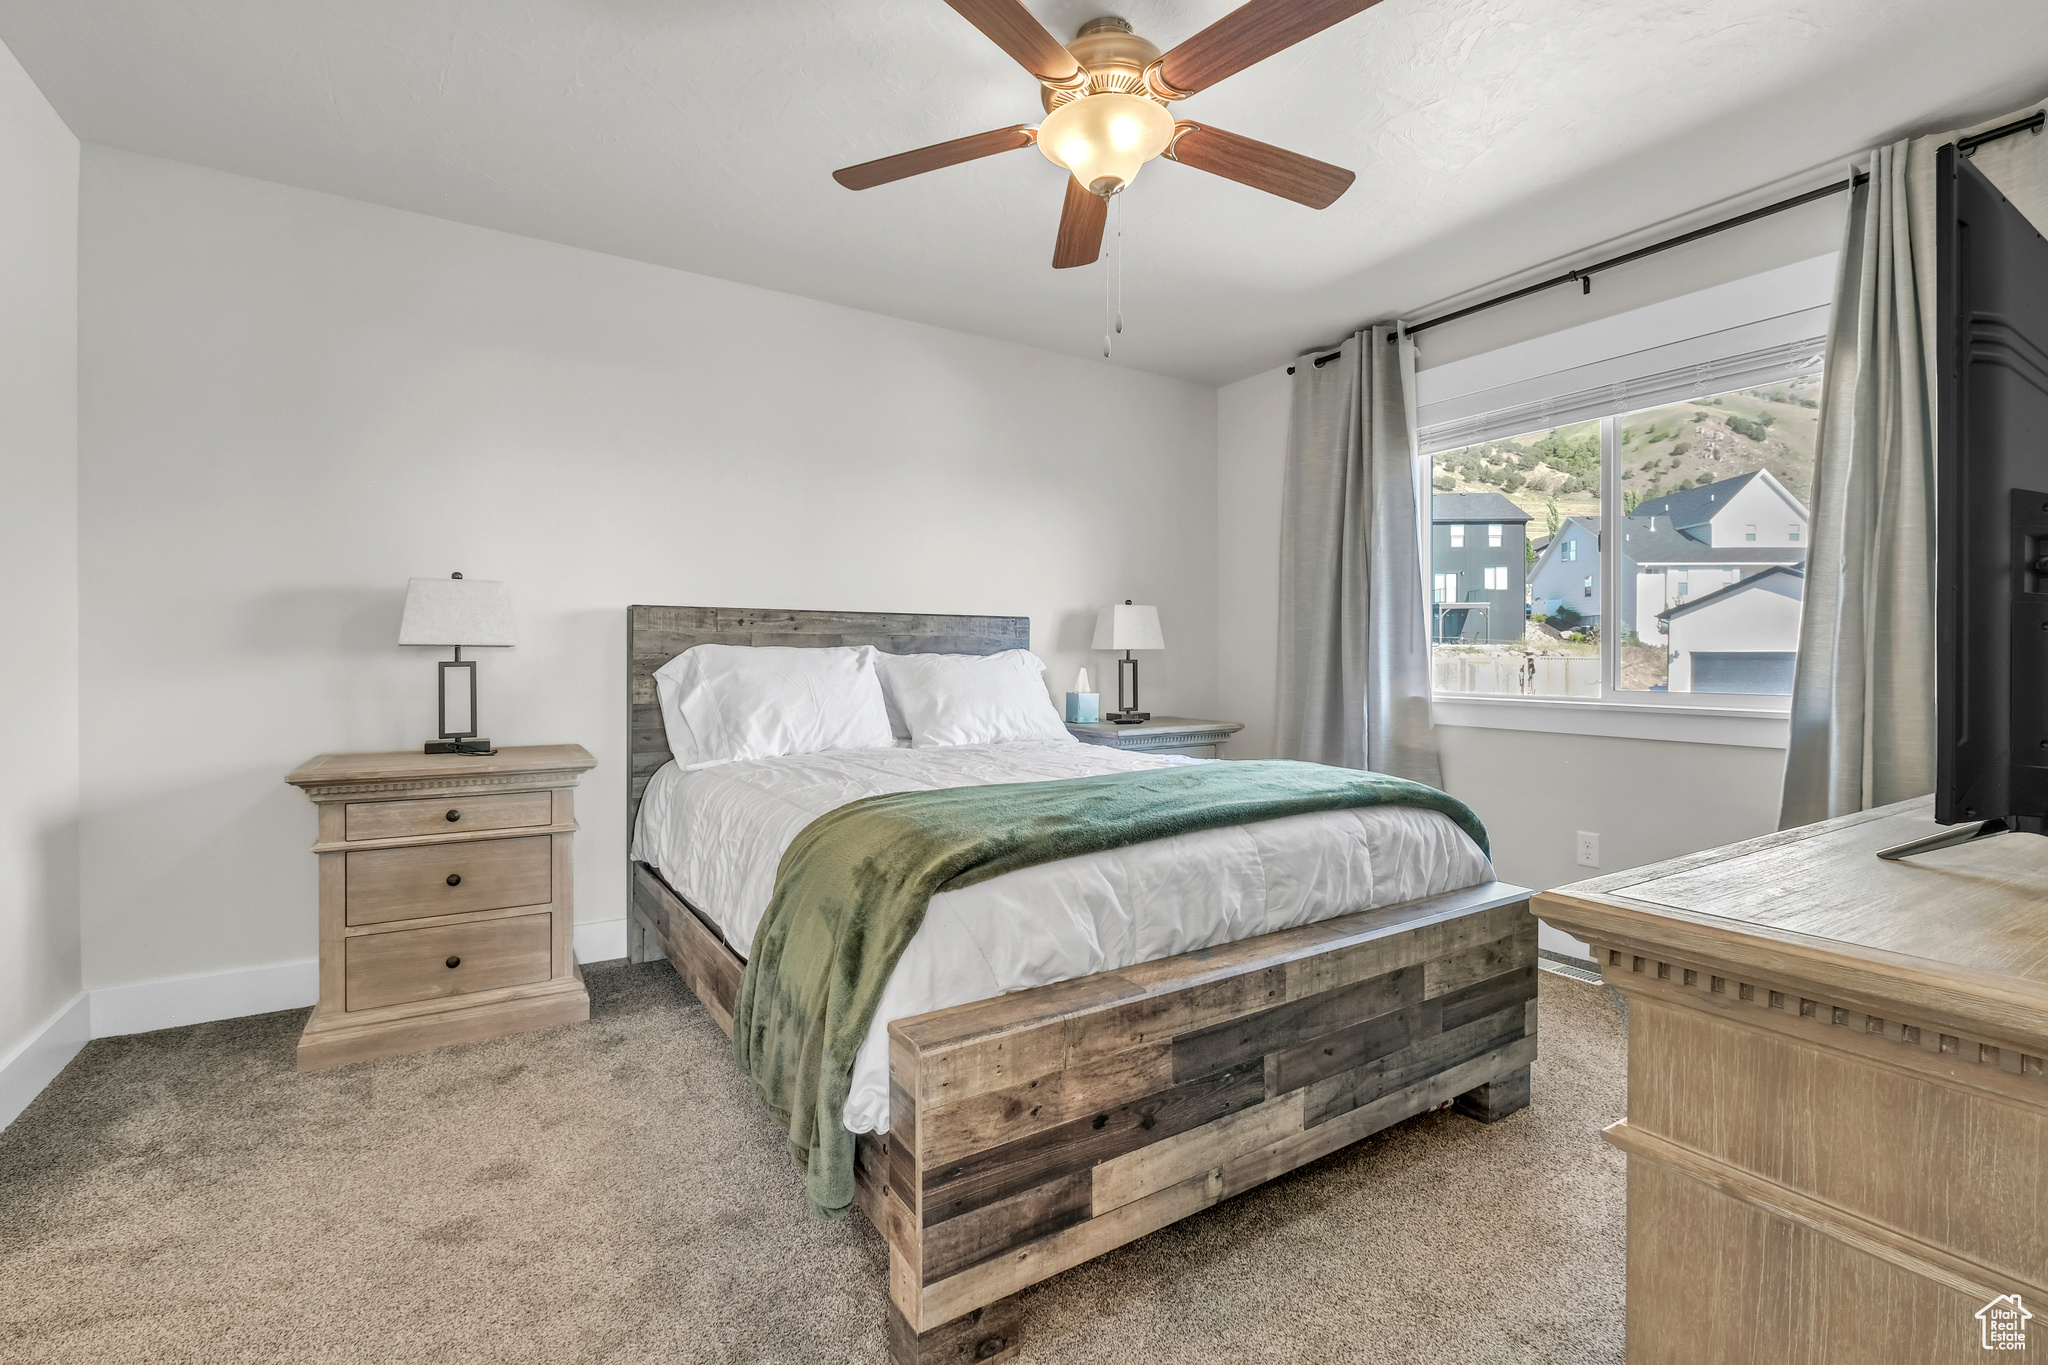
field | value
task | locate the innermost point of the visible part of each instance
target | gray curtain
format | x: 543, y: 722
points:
x: 1862, y: 725
x: 1354, y: 679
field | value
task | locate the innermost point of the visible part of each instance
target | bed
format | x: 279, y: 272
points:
x: 1004, y: 1139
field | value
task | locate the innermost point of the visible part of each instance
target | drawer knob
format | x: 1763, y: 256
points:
x: 454, y: 879
x: 453, y: 816
x: 454, y: 962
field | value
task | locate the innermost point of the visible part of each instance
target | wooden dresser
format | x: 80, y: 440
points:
x: 1160, y: 735
x: 446, y: 898
x: 1837, y: 1115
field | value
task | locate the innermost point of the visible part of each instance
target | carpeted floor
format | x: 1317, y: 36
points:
x: 609, y: 1192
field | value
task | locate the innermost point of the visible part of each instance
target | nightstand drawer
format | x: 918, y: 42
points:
x: 453, y: 815
x: 449, y: 879
x: 452, y: 959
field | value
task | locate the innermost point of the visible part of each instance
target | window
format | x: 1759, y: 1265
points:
x: 1699, y: 599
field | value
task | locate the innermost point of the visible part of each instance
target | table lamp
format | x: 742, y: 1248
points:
x: 1127, y: 628
x: 469, y: 613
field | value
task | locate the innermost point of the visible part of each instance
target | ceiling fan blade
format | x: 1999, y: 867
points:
x: 1275, y: 170
x: 869, y: 174
x: 1012, y: 28
x: 1250, y: 33
x: 1081, y: 223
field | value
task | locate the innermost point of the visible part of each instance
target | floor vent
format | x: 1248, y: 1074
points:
x: 1576, y: 968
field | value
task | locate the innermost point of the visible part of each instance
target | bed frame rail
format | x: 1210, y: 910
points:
x: 1038, y: 1130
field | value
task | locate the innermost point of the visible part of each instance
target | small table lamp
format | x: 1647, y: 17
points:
x: 1127, y: 628
x: 458, y: 611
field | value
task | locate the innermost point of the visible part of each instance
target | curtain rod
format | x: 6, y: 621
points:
x: 1584, y: 277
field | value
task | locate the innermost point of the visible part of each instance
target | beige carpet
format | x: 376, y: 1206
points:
x: 609, y: 1192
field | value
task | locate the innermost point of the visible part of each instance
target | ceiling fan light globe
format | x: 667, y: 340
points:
x: 1105, y: 138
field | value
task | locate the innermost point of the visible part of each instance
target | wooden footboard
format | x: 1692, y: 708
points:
x: 1038, y: 1130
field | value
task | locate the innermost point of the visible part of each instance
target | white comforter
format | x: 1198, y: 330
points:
x: 718, y: 833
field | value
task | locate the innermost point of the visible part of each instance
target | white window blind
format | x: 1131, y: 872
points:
x: 1749, y: 369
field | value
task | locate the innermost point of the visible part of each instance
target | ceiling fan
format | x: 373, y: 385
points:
x: 1105, y: 97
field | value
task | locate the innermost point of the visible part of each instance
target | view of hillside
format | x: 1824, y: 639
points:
x: 1555, y: 473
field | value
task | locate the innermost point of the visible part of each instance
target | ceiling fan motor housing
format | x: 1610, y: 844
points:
x: 1114, y: 58
x: 1104, y: 132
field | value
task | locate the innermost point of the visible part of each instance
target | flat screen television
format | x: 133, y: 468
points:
x: 1991, y: 512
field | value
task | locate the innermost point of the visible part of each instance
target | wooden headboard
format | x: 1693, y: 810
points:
x: 654, y: 635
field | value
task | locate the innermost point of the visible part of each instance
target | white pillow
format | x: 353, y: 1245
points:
x: 725, y: 702
x: 971, y: 698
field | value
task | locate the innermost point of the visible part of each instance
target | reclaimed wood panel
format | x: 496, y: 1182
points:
x: 710, y: 969
x: 1264, y: 1075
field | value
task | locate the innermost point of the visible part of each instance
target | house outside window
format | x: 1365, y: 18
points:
x: 1698, y: 599
x: 1493, y: 536
x: 1494, y: 617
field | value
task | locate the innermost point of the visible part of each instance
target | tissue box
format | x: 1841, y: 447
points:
x: 1084, y: 707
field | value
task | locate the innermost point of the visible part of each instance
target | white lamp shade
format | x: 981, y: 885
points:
x: 1128, y: 627
x: 457, y: 611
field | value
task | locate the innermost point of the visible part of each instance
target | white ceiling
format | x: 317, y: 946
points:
x: 1488, y: 135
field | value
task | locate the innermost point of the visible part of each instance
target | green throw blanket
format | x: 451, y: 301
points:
x: 853, y: 887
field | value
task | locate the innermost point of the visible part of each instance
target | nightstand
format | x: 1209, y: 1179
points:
x: 1161, y: 735
x: 446, y: 898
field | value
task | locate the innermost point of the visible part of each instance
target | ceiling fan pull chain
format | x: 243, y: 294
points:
x: 1118, y: 204
x: 1108, y: 305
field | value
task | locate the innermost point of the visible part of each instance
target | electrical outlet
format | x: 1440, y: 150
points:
x: 1589, y: 849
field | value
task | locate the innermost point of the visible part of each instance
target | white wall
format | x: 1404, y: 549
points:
x: 1251, y: 458
x: 292, y: 402
x: 39, y: 947
x: 1646, y: 799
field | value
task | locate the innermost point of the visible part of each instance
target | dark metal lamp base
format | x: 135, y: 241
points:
x: 1126, y: 717
x: 480, y: 748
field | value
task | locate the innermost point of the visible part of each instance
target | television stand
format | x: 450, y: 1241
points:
x: 1948, y: 838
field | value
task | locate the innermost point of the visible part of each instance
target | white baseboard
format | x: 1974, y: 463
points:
x: 47, y: 1051
x: 149, y: 1005
x: 600, y: 940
